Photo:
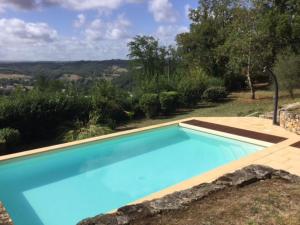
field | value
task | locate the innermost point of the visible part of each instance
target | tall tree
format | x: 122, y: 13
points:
x: 245, y: 46
x: 152, y: 62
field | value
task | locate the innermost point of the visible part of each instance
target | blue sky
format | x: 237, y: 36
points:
x: 85, y: 29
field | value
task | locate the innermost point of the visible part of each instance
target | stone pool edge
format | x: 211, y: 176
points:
x: 179, y: 200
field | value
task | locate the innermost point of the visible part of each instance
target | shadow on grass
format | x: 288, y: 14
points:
x: 179, y: 112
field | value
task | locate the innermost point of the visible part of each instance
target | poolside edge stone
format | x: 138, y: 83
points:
x: 181, y: 199
x: 4, y: 216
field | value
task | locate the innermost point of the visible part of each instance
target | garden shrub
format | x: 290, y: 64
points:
x: 190, y: 91
x: 287, y: 70
x: 150, y: 104
x: 2, y: 147
x: 9, y: 136
x: 107, y: 112
x: 37, y: 115
x: 84, y: 132
x: 215, y: 94
x: 168, y: 101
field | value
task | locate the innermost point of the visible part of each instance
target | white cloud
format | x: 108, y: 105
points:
x: 163, y: 11
x: 65, y: 49
x: 80, y: 21
x: 187, y: 9
x: 79, y: 5
x: 15, y: 31
x: 115, y: 30
x: 37, y: 41
x: 167, y: 34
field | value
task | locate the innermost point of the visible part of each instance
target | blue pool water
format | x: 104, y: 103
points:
x: 64, y: 187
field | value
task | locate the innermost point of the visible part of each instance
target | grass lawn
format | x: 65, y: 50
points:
x: 238, y: 104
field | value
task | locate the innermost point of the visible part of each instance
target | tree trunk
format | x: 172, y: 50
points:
x: 252, y: 89
x: 291, y: 92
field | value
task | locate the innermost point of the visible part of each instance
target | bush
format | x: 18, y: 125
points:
x: 168, y: 101
x: 191, y: 88
x: 107, y: 112
x: 215, y: 94
x: 234, y: 82
x: 150, y: 105
x: 38, y: 115
x: 88, y: 131
x: 190, y: 91
x: 287, y: 69
x: 2, y: 147
x: 9, y: 136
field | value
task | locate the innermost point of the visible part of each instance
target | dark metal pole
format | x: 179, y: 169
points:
x: 276, y: 94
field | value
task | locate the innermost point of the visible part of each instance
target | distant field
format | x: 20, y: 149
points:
x: 238, y: 104
x: 14, y: 76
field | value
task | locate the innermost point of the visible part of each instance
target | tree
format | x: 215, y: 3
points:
x: 245, y: 46
x: 287, y: 69
x: 152, y: 63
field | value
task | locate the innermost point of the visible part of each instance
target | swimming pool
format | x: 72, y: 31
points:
x: 63, y: 187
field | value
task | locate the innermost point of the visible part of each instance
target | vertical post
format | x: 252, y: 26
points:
x: 276, y: 94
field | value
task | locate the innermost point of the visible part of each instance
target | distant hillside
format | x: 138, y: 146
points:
x: 55, y: 70
x: 83, y: 73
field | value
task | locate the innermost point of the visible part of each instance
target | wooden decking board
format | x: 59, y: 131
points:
x: 237, y: 131
x: 296, y: 145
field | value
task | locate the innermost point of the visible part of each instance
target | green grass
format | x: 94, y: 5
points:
x: 238, y: 104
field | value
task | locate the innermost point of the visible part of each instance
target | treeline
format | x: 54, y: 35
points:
x: 53, y: 70
x: 235, y: 39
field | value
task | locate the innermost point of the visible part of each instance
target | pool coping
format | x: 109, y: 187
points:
x: 226, y: 135
x: 123, y: 133
x: 267, y: 138
x: 209, y: 176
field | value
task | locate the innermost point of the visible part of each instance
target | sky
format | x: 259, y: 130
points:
x: 68, y: 30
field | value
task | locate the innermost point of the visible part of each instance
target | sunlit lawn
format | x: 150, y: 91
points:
x: 238, y: 104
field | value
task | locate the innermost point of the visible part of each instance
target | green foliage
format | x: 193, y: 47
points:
x: 287, y: 70
x: 235, y: 40
x: 192, y: 86
x: 168, y: 101
x: 84, y: 132
x: 107, y: 112
x: 54, y: 70
x: 215, y: 94
x: 9, y: 136
x: 153, y: 66
x: 38, y: 114
x: 149, y: 103
x: 109, y: 104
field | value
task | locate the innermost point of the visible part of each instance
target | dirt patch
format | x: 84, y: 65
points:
x: 268, y: 202
x: 14, y: 76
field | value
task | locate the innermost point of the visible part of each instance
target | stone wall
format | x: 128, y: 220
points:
x: 179, y: 200
x: 290, y: 120
x: 4, y: 217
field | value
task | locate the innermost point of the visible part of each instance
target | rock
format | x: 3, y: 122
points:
x: 4, y: 216
x: 181, y: 199
x: 290, y: 117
